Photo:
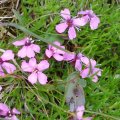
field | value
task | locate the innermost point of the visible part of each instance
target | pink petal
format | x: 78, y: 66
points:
x: 60, y: 28
x: 3, y: 109
x: 84, y: 20
x: 30, y: 52
x: 42, y: 78
x: 57, y: 43
x: 15, y: 111
x: 7, y: 55
x: 94, y: 22
x: 10, y: 68
x: 43, y: 65
x: 13, y: 118
x: 69, y: 56
x: 85, y: 60
x: 58, y: 57
x: 21, y: 42
x: 60, y: 51
x: 1, y: 71
x: 65, y: 14
x: 32, y: 62
x: 71, y: 33
x: 32, y: 78
x: 95, y: 79
x: 79, y: 22
x: 97, y: 71
x: 22, y: 52
x: 48, y: 53
x: 80, y: 112
x: 92, y: 63
x: 26, y: 67
x: 36, y: 48
x: 78, y: 65
x: 85, y: 73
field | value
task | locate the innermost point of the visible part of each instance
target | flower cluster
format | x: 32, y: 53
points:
x: 76, y: 22
x: 7, y: 113
x: 86, y: 67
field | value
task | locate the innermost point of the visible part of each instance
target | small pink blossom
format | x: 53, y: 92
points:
x: 90, y: 70
x: 89, y: 16
x: 36, y: 70
x: 7, y: 113
x: 68, y: 23
x: 55, y: 52
x: 75, y: 59
x: 4, y: 64
x: 28, y: 48
x: 79, y: 113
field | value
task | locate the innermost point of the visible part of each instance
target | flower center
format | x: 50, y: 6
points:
x: 28, y: 43
x: 69, y: 22
x: 1, y: 61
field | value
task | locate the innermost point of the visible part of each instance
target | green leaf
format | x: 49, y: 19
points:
x: 82, y: 82
x: 74, y: 91
x: 18, y: 16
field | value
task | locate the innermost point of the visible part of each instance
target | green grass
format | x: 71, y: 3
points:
x: 48, y: 102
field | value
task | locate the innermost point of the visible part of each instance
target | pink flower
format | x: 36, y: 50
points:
x: 35, y: 70
x: 90, y: 70
x: 4, y: 64
x: 55, y: 52
x: 7, y: 113
x: 79, y: 113
x: 75, y: 59
x: 28, y: 48
x: 89, y: 16
x: 68, y: 22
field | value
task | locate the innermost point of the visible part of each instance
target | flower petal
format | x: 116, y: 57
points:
x: 26, y: 67
x: 42, y: 78
x: 84, y: 73
x: 36, y: 48
x: 60, y: 51
x: 80, y: 112
x: 85, y: 60
x: 22, y: 52
x: 95, y: 79
x: 58, y: 57
x: 30, y: 52
x: 65, y: 13
x: 1, y: 71
x: 71, y: 33
x: 60, y: 28
x: 69, y: 56
x: 32, y: 78
x: 79, y: 22
x: 20, y: 42
x: 15, y: 111
x: 32, y: 62
x: 48, y: 53
x: 43, y: 65
x: 78, y: 65
x: 3, y: 109
x: 10, y: 68
x: 7, y: 55
x: 94, y: 22
x: 84, y: 20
